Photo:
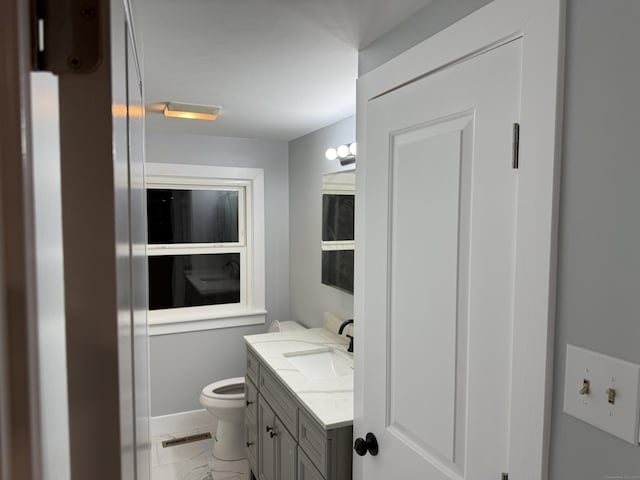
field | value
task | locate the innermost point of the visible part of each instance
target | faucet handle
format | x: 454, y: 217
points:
x: 350, y: 347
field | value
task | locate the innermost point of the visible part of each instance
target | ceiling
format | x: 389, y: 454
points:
x: 279, y: 68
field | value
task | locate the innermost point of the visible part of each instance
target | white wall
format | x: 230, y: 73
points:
x: 428, y: 21
x: 307, y: 163
x: 181, y: 364
x: 599, y: 257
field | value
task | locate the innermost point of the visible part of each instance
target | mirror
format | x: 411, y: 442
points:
x: 338, y: 209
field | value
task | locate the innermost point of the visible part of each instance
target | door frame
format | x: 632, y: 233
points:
x: 540, y: 26
x: 20, y: 432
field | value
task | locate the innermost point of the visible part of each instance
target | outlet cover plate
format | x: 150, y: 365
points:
x: 603, y: 372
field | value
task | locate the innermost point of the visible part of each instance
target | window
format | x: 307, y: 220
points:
x: 205, y: 247
x: 338, y: 208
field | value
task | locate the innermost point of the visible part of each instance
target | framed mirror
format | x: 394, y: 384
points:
x: 338, y: 213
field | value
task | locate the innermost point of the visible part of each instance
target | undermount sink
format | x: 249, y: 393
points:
x: 324, y: 363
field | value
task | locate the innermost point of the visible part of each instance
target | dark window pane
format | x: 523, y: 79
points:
x: 192, y: 216
x: 337, y: 269
x: 193, y: 280
x: 337, y: 217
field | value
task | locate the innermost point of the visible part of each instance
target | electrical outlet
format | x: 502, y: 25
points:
x: 604, y: 392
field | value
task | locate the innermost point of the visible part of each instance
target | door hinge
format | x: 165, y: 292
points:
x: 516, y: 147
x: 66, y: 35
x: 504, y: 476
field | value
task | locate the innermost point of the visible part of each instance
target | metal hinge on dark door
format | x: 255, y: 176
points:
x: 516, y: 150
x: 66, y: 36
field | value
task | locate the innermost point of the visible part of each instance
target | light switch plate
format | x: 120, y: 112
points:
x: 621, y: 418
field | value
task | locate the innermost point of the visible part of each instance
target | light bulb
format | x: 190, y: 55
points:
x: 352, y: 148
x: 331, y: 154
x: 343, y: 151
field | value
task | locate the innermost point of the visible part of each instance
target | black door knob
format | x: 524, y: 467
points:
x: 367, y: 444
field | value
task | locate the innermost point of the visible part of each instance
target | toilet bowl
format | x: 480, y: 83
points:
x: 224, y: 400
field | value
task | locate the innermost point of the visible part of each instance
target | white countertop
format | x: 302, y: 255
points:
x: 328, y: 400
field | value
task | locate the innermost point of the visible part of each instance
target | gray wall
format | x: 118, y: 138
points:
x: 307, y: 164
x: 599, y: 260
x: 181, y: 364
x: 428, y: 21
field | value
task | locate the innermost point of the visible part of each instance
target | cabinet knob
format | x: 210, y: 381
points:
x: 362, y: 446
x: 269, y: 429
x: 249, y: 402
x: 250, y: 444
x: 273, y: 434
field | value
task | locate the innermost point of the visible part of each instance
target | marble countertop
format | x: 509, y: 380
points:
x: 328, y: 400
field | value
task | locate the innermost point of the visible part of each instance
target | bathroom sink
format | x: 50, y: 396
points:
x: 324, y: 363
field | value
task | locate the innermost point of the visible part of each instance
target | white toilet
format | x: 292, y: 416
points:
x: 225, y: 401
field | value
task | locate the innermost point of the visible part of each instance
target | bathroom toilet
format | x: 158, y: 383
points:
x: 224, y: 400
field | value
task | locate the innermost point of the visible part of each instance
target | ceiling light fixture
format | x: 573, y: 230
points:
x: 197, y: 112
x: 345, y: 153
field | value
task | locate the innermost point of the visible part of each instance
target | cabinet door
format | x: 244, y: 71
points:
x: 251, y: 424
x: 266, y: 441
x: 286, y: 452
x: 306, y: 469
x: 251, y: 433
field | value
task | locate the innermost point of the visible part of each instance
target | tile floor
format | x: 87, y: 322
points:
x: 192, y: 461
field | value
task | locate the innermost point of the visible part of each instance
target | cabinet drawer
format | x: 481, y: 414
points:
x: 251, y: 399
x: 280, y: 400
x: 253, y: 367
x: 313, y: 440
x: 306, y: 470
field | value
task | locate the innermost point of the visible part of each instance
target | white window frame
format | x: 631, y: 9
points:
x: 249, y: 182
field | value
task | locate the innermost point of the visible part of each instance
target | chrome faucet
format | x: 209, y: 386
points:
x: 350, y: 337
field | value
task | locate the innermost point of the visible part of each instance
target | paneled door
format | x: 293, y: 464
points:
x: 440, y: 225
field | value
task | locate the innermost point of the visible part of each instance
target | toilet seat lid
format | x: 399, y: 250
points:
x: 227, y: 389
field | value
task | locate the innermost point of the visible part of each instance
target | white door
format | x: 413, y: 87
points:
x: 440, y: 213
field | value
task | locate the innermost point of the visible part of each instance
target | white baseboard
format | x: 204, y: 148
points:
x: 180, y: 422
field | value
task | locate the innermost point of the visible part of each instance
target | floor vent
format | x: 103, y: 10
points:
x: 174, y: 442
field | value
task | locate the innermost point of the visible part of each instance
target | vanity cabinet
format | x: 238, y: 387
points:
x: 284, y: 441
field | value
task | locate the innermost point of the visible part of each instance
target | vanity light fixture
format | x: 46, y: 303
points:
x: 331, y: 154
x: 345, y: 153
x: 186, y: 110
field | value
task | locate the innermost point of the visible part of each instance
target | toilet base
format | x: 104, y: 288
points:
x: 229, y: 443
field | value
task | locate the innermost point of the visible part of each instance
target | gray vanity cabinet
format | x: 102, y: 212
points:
x: 291, y: 445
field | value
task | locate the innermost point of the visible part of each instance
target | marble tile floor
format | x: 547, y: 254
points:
x: 193, y: 461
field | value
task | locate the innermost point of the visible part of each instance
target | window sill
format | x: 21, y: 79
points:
x: 226, y: 320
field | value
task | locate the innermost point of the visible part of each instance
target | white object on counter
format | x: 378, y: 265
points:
x: 333, y: 323
x: 277, y: 326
